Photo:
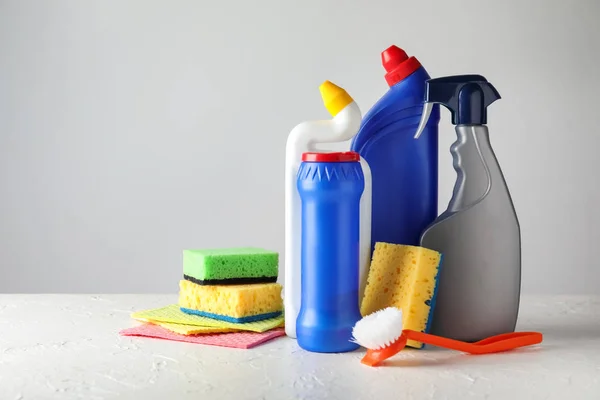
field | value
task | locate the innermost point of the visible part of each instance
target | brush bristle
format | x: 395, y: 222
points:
x: 379, y: 329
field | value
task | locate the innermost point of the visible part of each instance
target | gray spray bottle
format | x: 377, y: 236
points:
x: 479, y: 234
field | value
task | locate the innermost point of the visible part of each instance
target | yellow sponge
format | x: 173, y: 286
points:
x: 232, y: 303
x: 404, y: 277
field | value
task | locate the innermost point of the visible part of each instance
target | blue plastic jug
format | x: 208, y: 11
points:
x: 404, y: 170
x: 330, y: 187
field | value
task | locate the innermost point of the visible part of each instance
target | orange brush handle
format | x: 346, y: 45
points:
x: 375, y: 357
x: 493, y: 344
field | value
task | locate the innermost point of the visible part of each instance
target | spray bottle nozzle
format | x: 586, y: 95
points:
x: 466, y: 96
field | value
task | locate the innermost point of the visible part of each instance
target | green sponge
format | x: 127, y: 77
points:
x: 230, y: 266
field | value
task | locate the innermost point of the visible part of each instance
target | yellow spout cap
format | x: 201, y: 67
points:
x: 334, y: 97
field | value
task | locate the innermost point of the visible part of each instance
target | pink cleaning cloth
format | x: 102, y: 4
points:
x: 239, y: 340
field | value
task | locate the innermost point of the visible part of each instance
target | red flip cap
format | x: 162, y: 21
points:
x: 346, y: 156
x: 397, y: 64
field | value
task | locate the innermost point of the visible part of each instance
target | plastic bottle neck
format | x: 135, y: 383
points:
x: 398, y: 65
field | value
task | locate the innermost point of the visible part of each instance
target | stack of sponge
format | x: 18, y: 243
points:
x: 227, y: 297
x: 234, y: 285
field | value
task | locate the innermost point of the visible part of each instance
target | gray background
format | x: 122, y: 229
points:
x: 130, y: 130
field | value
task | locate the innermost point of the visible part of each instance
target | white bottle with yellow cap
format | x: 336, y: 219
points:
x: 303, y: 138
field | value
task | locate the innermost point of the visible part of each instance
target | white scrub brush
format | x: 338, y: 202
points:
x: 382, y: 334
x: 378, y: 330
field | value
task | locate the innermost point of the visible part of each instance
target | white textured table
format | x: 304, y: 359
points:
x: 67, y: 347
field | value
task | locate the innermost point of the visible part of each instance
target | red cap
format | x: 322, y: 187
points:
x: 397, y: 64
x: 346, y: 156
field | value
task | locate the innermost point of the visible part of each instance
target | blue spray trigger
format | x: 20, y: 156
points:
x: 466, y: 96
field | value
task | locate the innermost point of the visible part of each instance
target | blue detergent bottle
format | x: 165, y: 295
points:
x: 404, y: 171
x: 330, y: 186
